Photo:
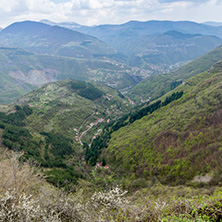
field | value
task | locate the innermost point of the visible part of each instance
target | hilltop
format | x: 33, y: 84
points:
x: 70, y: 25
x: 74, y: 108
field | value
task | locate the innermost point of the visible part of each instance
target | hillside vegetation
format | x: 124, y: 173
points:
x: 75, y: 109
x: 78, y: 150
x: 50, y: 150
x: 52, y: 124
x: 26, y: 196
x: 176, y: 142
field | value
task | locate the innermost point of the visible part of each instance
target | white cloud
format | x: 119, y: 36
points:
x: 91, y: 12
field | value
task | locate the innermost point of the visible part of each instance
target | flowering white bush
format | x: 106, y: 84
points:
x: 112, y: 199
x: 24, y: 196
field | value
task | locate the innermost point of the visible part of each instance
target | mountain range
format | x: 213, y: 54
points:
x: 156, y: 46
x: 54, y: 40
x: 55, y: 53
x: 88, y: 120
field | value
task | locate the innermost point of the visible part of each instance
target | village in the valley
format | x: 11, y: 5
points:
x: 79, y: 136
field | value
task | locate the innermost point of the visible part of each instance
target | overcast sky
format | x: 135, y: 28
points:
x: 94, y: 12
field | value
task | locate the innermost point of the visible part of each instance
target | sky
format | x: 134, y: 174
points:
x: 95, y: 12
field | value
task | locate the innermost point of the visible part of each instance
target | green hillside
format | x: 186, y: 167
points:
x: 52, y: 125
x: 75, y: 109
x: 158, y: 85
x: 22, y: 71
x: 178, y: 139
x: 78, y: 150
x: 52, y: 151
x: 175, y: 141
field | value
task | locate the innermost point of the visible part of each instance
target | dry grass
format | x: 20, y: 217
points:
x: 17, y: 176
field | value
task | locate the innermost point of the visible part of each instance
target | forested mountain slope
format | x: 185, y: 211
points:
x: 175, y: 141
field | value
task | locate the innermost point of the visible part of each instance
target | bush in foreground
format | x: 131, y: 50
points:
x: 25, y: 196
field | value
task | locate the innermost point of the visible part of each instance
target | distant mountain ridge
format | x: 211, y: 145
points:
x: 143, y: 41
x: 213, y: 23
x: 155, y: 45
x: 70, y: 25
x: 146, y: 27
x: 46, y: 39
x: 139, y: 28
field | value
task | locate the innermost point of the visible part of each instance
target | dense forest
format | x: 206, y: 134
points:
x: 86, y: 90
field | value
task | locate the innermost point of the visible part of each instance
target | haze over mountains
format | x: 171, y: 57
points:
x: 129, y: 39
x: 56, y: 52
x: 148, y: 44
x: 55, y: 40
